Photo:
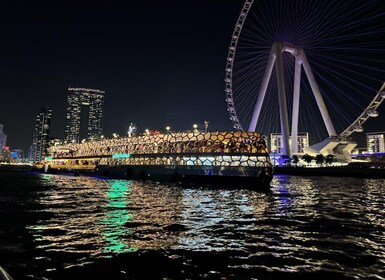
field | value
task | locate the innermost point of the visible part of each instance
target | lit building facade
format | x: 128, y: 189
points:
x: 17, y: 155
x: 3, y: 138
x: 31, y: 153
x: 276, y: 144
x: 375, y: 142
x: 41, y: 134
x: 78, y: 98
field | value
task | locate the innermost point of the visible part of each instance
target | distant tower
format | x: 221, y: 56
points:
x: 3, y: 138
x: 78, y: 97
x: 41, y: 134
x: 375, y: 142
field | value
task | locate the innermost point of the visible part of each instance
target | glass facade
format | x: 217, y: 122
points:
x: 375, y: 142
x: 77, y: 98
x: 3, y: 138
x: 276, y: 144
x: 41, y: 134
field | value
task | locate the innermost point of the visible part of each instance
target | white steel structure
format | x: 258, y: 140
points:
x: 275, y: 58
x: 300, y: 60
x: 230, y: 64
x: 335, y: 143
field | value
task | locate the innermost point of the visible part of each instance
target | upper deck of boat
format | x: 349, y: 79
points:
x: 167, y: 143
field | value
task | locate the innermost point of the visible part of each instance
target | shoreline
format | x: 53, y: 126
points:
x: 334, y: 171
x: 15, y: 167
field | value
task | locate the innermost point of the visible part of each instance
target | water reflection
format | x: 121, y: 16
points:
x: 102, y: 217
x: 374, y: 201
x: 303, y: 224
x: 156, y: 222
x: 116, y: 216
x: 217, y: 219
x: 70, y: 210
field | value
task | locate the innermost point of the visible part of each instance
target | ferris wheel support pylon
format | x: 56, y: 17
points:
x: 296, y: 93
x: 284, y: 120
x: 300, y: 59
x: 262, y: 91
x: 275, y: 57
x: 317, y: 95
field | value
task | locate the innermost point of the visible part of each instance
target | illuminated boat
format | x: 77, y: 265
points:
x: 227, y: 158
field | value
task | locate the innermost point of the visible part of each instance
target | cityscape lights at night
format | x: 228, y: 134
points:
x: 192, y: 139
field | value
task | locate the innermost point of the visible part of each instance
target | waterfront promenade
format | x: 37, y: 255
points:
x: 356, y: 171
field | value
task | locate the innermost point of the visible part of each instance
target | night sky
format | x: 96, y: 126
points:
x: 160, y: 62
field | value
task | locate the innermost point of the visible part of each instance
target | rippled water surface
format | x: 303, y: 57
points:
x: 63, y: 227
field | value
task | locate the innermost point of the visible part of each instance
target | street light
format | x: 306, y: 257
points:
x: 167, y: 128
x: 147, y: 131
x: 115, y: 135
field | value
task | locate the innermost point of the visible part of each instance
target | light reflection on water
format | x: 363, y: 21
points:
x: 116, y: 216
x: 332, y: 225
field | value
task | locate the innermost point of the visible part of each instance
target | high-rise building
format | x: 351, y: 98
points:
x: 3, y: 138
x: 41, y: 134
x: 31, y: 153
x: 375, y: 142
x: 17, y: 155
x: 79, y: 98
x: 276, y: 144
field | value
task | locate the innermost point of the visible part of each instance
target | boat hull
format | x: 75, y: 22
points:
x: 333, y: 171
x: 254, y: 177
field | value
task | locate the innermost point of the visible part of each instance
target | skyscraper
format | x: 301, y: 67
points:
x: 78, y: 99
x: 276, y: 144
x: 41, y: 134
x: 375, y: 142
x: 3, y: 138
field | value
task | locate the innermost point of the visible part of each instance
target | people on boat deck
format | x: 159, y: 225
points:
x: 130, y: 129
x: 206, y: 125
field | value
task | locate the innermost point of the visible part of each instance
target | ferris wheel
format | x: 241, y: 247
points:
x: 317, y: 64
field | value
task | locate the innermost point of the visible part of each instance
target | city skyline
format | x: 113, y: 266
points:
x: 160, y: 64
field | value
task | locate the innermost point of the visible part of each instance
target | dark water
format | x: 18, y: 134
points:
x: 62, y: 227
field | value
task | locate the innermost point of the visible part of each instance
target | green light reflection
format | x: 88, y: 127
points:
x: 116, y: 216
